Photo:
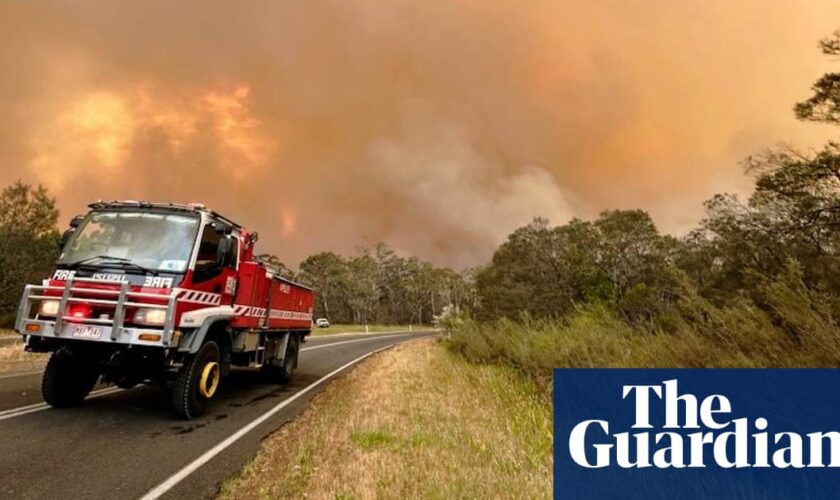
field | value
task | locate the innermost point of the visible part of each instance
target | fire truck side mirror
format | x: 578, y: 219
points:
x: 76, y: 221
x: 65, y: 237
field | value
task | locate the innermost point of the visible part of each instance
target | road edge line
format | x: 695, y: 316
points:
x: 383, y: 332
x: 324, y: 346
x: 21, y: 374
x: 208, y: 455
x: 372, y: 336
x: 36, y: 407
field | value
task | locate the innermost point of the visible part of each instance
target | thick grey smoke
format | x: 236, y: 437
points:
x: 437, y: 127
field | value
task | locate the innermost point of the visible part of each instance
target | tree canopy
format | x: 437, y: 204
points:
x: 28, y: 241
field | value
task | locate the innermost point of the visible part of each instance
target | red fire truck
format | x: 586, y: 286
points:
x: 161, y: 294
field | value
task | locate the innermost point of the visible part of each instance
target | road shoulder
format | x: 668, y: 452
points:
x: 15, y: 361
x: 413, y: 421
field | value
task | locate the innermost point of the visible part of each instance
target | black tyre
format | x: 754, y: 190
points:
x: 68, y: 379
x: 125, y: 383
x: 283, y: 374
x: 197, y: 382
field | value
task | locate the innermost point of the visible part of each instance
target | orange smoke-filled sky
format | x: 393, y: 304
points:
x: 437, y: 126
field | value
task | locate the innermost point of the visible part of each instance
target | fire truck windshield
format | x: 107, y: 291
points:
x: 148, y: 240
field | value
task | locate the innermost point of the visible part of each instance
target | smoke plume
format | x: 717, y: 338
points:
x: 437, y: 126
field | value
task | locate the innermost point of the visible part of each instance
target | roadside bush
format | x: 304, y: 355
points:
x: 802, y: 314
x: 741, y: 336
x: 450, y: 318
x: 648, y: 307
x: 28, y: 242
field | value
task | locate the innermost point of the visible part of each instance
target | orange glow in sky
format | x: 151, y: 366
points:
x: 437, y: 127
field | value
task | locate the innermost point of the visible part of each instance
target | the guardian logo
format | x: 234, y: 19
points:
x: 695, y: 432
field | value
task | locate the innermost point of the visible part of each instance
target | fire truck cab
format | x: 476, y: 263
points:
x: 161, y: 294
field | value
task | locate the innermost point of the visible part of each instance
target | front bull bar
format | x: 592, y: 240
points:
x: 116, y: 322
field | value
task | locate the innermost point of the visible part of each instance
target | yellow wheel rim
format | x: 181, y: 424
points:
x: 209, y: 382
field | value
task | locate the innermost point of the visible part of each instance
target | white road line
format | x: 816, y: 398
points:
x: 318, y: 336
x: 25, y: 410
x: 208, y: 455
x: 331, y: 344
x: 21, y: 409
x: 21, y: 374
x: 373, y: 336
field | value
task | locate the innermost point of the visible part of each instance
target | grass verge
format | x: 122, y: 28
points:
x: 414, y: 421
x: 14, y: 359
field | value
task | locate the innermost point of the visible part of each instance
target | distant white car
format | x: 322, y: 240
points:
x: 322, y: 323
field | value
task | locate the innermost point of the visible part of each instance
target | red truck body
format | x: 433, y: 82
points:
x: 163, y: 294
x: 265, y: 299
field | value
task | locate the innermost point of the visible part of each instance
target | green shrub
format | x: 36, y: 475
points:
x: 790, y: 328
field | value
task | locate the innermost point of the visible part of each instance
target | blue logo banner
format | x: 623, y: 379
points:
x: 686, y: 434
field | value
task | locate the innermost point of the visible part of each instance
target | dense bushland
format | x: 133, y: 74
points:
x: 380, y: 286
x: 792, y: 327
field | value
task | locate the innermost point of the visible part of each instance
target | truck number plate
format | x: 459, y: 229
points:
x: 87, y: 332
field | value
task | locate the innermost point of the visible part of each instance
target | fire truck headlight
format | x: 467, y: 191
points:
x: 48, y: 308
x: 150, y: 316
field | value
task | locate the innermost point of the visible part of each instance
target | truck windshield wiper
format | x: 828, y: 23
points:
x: 118, y: 261
x: 127, y: 264
x: 74, y: 265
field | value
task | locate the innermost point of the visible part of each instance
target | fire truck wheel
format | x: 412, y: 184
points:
x: 283, y: 374
x: 68, y: 379
x: 197, y: 382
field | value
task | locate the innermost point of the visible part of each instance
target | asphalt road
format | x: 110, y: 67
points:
x: 126, y: 444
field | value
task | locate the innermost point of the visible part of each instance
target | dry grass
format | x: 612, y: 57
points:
x: 412, y: 422
x: 14, y: 359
